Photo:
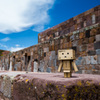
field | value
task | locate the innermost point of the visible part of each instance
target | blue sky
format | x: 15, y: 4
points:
x: 21, y: 23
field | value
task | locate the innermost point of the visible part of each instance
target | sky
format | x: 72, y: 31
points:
x: 22, y: 20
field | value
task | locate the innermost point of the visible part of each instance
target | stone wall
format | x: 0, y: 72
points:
x: 83, y: 20
x: 85, y: 42
x: 81, y: 33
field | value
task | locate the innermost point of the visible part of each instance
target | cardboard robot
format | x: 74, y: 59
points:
x: 67, y: 58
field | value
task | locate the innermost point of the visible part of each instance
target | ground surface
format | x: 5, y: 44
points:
x: 49, y: 86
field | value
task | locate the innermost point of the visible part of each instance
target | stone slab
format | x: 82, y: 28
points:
x: 49, y: 86
x: 97, y: 45
x: 53, y: 86
x: 93, y: 59
x: 98, y: 59
x: 97, y: 38
x: 6, y: 82
x: 98, y: 51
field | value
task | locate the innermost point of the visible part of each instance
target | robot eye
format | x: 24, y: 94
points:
x: 62, y: 53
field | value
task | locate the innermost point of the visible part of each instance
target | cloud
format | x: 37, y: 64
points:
x: 38, y: 28
x: 4, y: 46
x: 17, y: 45
x: 5, y: 39
x: 19, y: 15
x: 14, y: 49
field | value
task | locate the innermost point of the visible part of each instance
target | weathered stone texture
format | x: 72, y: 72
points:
x: 98, y: 59
x: 55, y: 87
x: 91, y: 39
x: 88, y: 59
x: 97, y: 38
x: 91, y: 52
x: 90, y: 47
x: 98, y: 51
x: 97, y: 45
x: 6, y: 84
x: 45, y: 86
x: 93, y: 59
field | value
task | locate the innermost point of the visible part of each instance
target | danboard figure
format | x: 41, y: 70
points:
x: 67, y: 58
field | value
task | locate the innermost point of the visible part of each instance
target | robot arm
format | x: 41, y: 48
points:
x: 75, y: 67
x: 60, y: 66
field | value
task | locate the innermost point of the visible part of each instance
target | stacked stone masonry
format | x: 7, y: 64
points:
x: 81, y: 33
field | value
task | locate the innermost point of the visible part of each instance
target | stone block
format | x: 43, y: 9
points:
x: 48, y: 70
x: 83, y: 71
x: 82, y: 35
x: 46, y: 49
x: 98, y: 59
x: 92, y: 39
x: 87, y: 67
x: 91, y: 53
x: 79, y: 72
x: 88, y: 22
x: 79, y: 61
x: 85, y: 41
x: 61, y: 41
x: 93, y: 59
x: 90, y: 47
x: 64, y: 45
x: 95, y: 72
x: 68, y: 38
x: 98, y: 30
x: 53, y: 69
x: 74, y: 43
x: 76, y: 36
x: 98, y: 18
x: 88, y: 71
x: 97, y: 67
x: 83, y: 61
x: 72, y: 38
x: 84, y: 53
x: 82, y: 48
x: 52, y: 55
x: 52, y: 63
x: 97, y: 45
x: 6, y: 84
x: 80, y: 67
x: 41, y: 66
x: 79, y: 49
x: 47, y: 87
x: 98, y: 52
x: 90, y: 67
x: 97, y: 38
x: 88, y: 59
x: 80, y: 41
x: 69, y: 44
x: 93, y: 32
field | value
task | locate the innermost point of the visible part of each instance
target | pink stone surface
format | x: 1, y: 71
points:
x: 59, y: 77
x: 53, y: 86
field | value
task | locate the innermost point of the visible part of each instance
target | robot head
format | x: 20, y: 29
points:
x: 66, y: 54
